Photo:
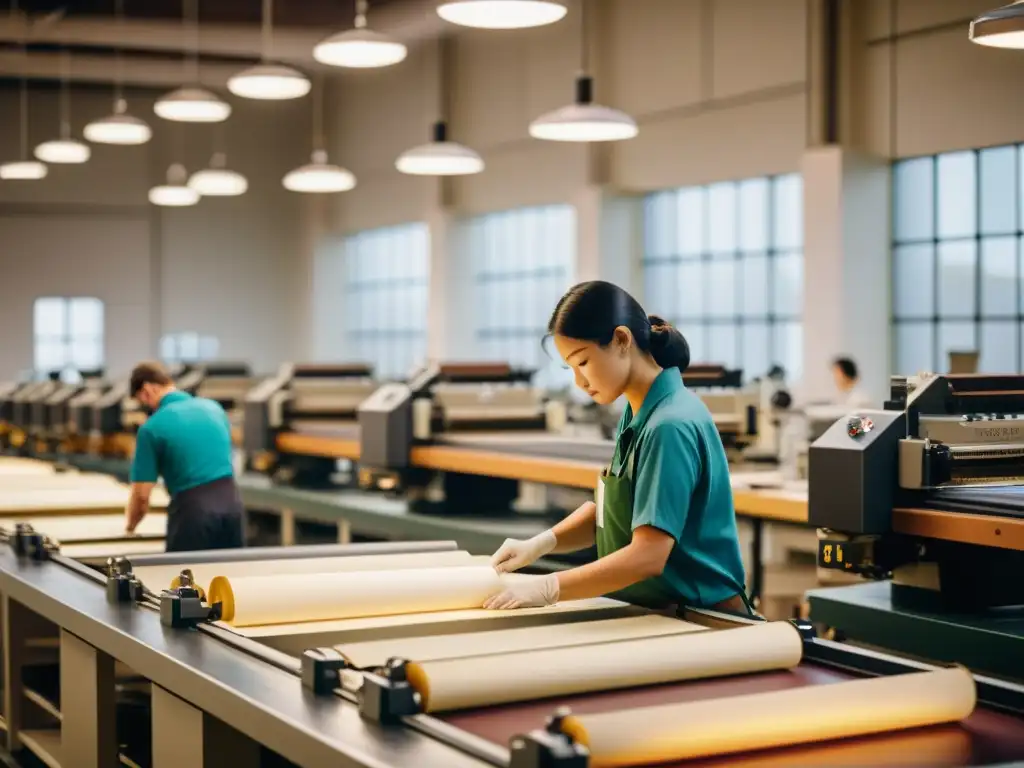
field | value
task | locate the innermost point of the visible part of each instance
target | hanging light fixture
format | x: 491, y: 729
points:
x: 23, y: 169
x: 502, y: 14
x: 583, y: 120
x: 119, y: 128
x: 441, y: 157
x: 1001, y: 28
x: 192, y: 104
x: 217, y: 180
x: 360, y: 48
x: 64, y: 149
x: 175, y: 193
x: 319, y: 176
x: 271, y: 82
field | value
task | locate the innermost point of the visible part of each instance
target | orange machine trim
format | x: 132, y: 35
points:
x: 565, y: 472
x: 984, y: 530
x: 318, y: 445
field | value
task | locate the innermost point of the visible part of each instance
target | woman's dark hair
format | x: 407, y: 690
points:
x: 847, y: 366
x: 592, y: 311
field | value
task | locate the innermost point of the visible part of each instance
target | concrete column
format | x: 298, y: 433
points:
x: 450, y: 296
x: 846, y: 267
x: 609, y: 238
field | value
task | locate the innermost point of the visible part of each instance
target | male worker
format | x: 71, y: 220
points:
x: 187, y: 440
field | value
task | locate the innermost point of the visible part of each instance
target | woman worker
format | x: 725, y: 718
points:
x: 662, y: 517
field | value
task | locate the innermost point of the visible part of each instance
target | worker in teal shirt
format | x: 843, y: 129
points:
x: 187, y: 441
x: 663, y: 517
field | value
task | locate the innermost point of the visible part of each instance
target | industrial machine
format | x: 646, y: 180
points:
x: 51, y: 416
x: 379, y: 655
x: 484, y: 407
x: 8, y: 390
x: 925, y: 497
x: 303, y: 401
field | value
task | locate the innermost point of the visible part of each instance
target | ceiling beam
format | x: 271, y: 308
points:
x: 142, y: 72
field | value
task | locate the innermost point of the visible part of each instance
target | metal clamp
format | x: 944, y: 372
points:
x: 26, y: 542
x: 122, y: 586
x: 183, y: 606
x: 548, y: 747
x: 321, y: 670
x: 387, y: 696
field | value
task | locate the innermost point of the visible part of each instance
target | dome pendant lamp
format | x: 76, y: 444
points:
x: 192, y: 104
x: 1001, y: 28
x: 360, y: 48
x: 217, y: 180
x: 584, y: 121
x: 270, y: 82
x: 64, y: 149
x: 319, y: 176
x: 502, y: 14
x: 175, y: 193
x: 23, y: 169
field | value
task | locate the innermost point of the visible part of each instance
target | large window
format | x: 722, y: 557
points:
x: 523, y: 262
x: 188, y: 347
x: 67, y: 334
x: 957, y: 254
x: 386, y: 273
x: 724, y: 263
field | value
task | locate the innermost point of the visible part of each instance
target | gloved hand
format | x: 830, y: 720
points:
x: 515, y: 553
x: 526, y: 592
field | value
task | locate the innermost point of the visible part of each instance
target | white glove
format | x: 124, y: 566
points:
x: 515, y: 553
x: 525, y: 592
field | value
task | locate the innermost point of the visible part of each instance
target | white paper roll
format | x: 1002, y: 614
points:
x: 253, y: 600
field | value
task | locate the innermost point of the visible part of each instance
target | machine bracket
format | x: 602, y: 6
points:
x: 387, y: 696
x: 321, y: 670
x: 122, y: 586
x: 548, y: 747
x: 26, y: 542
x: 183, y: 606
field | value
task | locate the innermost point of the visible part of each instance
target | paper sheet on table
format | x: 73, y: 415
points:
x: 56, y: 481
x: 94, y: 528
x: 12, y: 466
x: 672, y: 732
x: 73, y: 501
x: 99, y: 551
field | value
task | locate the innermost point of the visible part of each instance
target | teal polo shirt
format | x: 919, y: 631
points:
x: 681, y: 486
x: 187, y: 441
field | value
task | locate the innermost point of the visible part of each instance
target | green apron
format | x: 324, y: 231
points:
x: 614, y: 500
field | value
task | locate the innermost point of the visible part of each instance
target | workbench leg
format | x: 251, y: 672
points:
x: 287, y: 528
x: 20, y: 624
x: 756, y: 560
x: 344, y: 532
x: 87, y: 703
x: 186, y: 736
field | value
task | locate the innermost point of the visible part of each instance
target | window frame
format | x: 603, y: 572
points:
x: 68, y: 337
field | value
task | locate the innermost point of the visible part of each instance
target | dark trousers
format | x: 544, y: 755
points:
x: 209, y: 516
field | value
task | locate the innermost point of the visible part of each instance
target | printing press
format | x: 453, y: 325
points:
x: 379, y: 655
x: 924, y: 497
x: 287, y: 417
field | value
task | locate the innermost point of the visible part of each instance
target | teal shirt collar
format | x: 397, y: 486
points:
x: 177, y: 396
x: 666, y: 383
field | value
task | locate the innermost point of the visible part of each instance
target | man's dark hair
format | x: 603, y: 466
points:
x: 847, y: 366
x: 148, y: 373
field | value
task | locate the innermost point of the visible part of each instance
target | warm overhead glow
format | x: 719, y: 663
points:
x: 174, y: 193
x: 440, y: 157
x: 359, y: 49
x: 501, y: 14
x: 24, y: 170
x: 584, y: 121
x: 1001, y: 28
x: 319, y: 176
x: 192, y: 105
x: 118, y: 128
x: 63, y: 151
x: 218, y: 182
x: 270, y: 82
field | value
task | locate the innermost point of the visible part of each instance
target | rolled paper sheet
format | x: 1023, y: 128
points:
x: 254, y: 600
x: 159, y: 577
x: 434, y: 647
x: 477, y: 681
x: 688, y: 730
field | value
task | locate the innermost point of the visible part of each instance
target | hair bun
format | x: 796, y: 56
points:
x: 668, y: 346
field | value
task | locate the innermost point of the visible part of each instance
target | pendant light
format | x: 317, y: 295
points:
x: 64, y: 149
x: 360, y: 48
x: 270, y: 82
x: 502, y: 14
x: 584, y: 121
x: 1001, y: 28
x: 24, y: 169
x: 175, y: 193
x: 441, y: 157
x: 217, y: 180
x: 319, y: 176
x: 192, y: 104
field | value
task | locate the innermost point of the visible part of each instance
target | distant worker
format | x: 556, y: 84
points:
x: 847, y: 378
x: 662, y: 517
x: 187, y: 441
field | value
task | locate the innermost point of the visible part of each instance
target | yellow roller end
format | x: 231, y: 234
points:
x: 418, y: 679
x: 575, y: 730
x: 221, y: 592
x: 176, y: 582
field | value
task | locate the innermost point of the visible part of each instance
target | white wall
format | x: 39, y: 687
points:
x: 225, y: 268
